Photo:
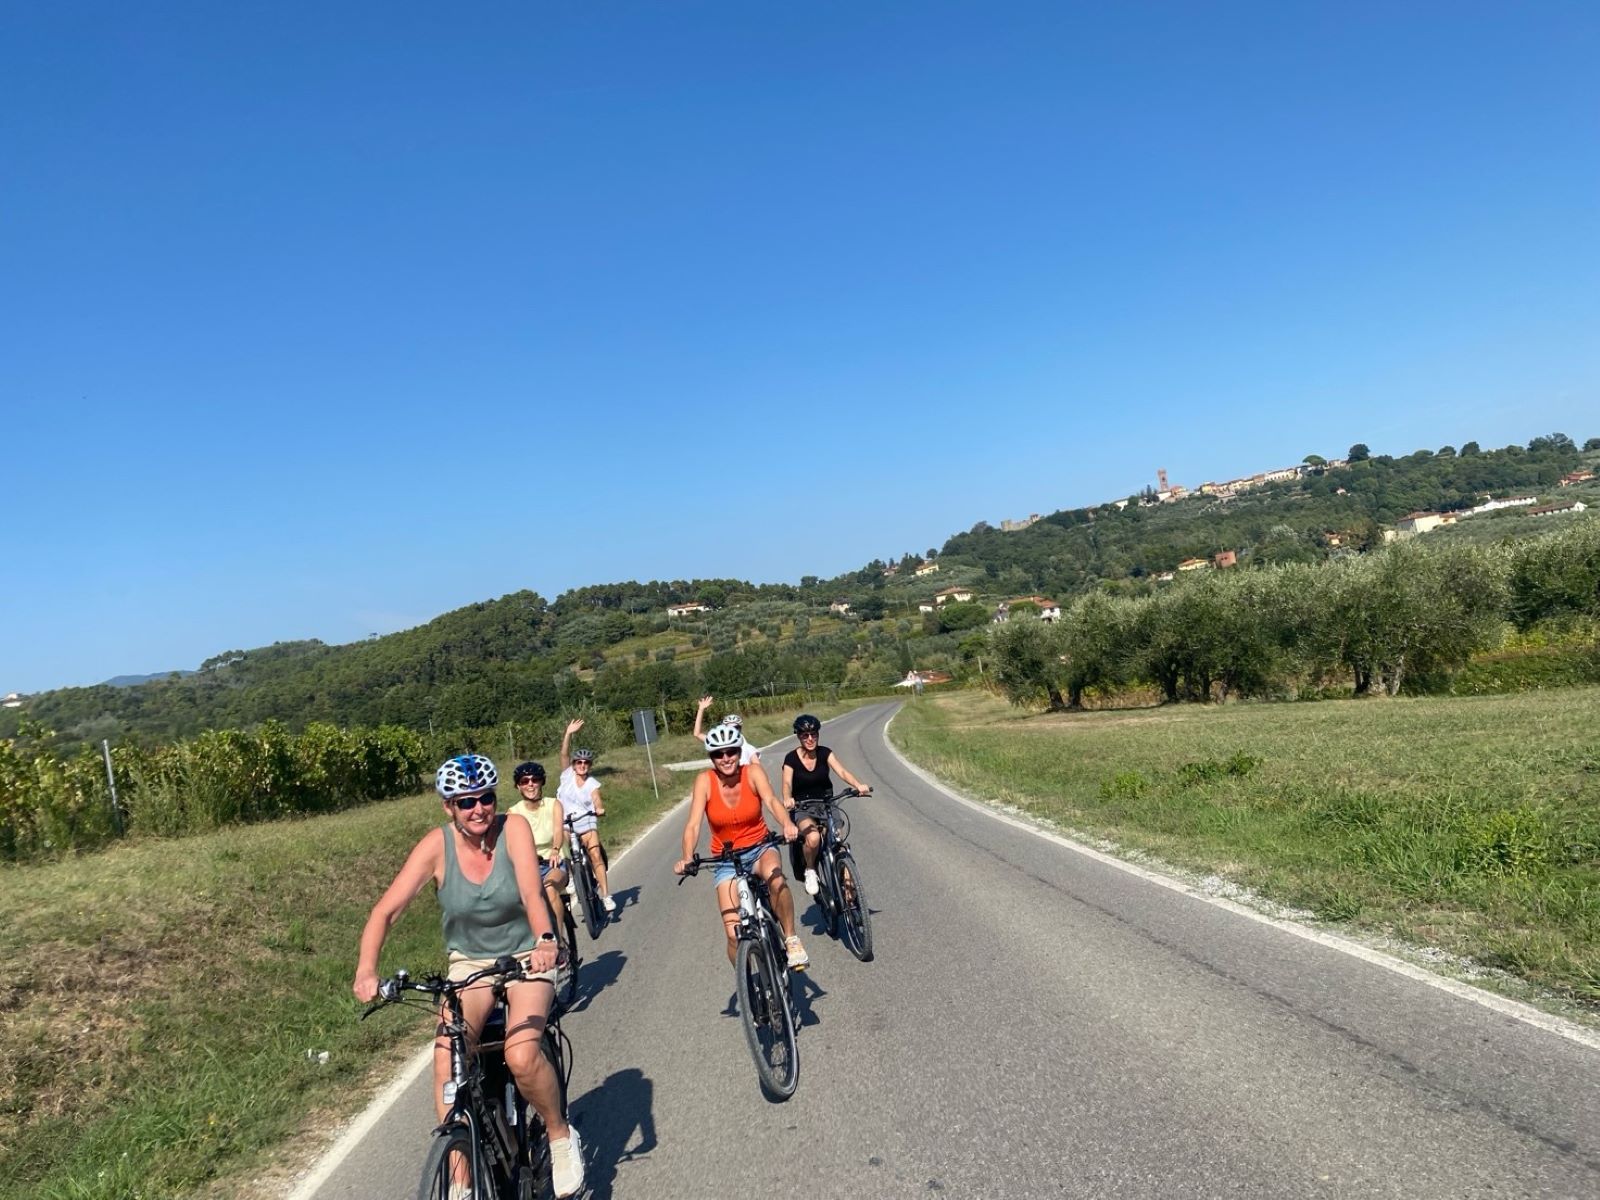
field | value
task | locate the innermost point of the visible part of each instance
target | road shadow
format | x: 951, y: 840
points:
x: 808, y: 990
x: 627, y: 898
x: 610, y: 1117
x: 595, y: 975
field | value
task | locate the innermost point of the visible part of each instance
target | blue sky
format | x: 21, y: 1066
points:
x: 320, y: 320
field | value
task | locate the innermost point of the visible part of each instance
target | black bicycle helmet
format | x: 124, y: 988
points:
x: 526, y: 771
x: 806, y: 723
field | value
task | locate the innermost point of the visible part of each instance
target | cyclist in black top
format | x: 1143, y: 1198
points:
x: 805, y: 777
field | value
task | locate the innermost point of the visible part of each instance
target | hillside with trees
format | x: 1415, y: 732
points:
x: 616, y: 646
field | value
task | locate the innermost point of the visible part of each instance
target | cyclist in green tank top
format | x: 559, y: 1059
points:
x: 487, y: 876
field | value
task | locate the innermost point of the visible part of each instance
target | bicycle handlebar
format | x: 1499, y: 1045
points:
x: 390, y: 991
x: 729, y: 855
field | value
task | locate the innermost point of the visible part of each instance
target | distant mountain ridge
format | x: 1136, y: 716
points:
x: 135, y: 680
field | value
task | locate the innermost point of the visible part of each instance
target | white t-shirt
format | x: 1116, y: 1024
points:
x: 577, y: 801
x: 747, y: 755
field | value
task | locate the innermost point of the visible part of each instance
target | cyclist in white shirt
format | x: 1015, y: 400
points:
x: 580, y: 799
x: 747, y: 754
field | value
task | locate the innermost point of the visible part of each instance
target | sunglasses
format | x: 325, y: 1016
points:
x: 724, y: 754
x: 808, y: 733
x: 468, y: 803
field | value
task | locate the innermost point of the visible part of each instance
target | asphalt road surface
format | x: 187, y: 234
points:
x: 1036, y: 1023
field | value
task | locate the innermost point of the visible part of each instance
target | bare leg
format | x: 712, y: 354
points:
x: 591, y: 843
x: 728, y: 902
x: 528, y: 1004
x: 812, y: 833
x: 554, y: 881
x: 782, y: 898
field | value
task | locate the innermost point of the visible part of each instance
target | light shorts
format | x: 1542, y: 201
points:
x: 723, y: 872
x: 587, y: 823
x: 461, y: 966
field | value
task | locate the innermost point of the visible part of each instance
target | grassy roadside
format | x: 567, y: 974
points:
x: 1471, y: 824
x: 160, y: 997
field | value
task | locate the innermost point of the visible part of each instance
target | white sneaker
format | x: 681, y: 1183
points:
x: 566, y: 1165
x: 607, y: 903
x: 811, y: 882
x: 799, y: 960
x: 571, y: 891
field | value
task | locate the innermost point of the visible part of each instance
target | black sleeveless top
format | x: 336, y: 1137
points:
x: 809, y: 785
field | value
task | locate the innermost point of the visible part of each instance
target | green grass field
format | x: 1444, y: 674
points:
x: 1470, y: 824
x: 160, y: 997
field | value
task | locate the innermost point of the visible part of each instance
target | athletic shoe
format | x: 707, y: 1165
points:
x: 566, y: 1165
x: 571, y: 891
x: 811, y: 882
x: 607, y: 903
x: 799, y: 960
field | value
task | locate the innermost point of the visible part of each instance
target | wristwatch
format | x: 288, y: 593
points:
x: 547, y: 937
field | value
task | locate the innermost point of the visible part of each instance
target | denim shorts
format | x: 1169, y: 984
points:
x: 723, y: 872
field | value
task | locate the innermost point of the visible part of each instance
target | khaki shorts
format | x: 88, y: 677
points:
x: 461, y: 966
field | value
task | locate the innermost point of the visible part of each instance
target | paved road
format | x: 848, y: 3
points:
x: 1036, y: 1024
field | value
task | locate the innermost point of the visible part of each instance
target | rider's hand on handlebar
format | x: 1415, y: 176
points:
x: 681, y: 867
x: 791, y: 832
x: 366, y: 986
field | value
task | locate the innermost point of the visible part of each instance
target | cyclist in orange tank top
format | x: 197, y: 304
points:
x: 730, y: 798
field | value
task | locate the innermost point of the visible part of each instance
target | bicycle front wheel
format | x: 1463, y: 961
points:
x: 567, y: 974
x: 447, y: 1172
x: 583, y: 882
x: 856, y: 922
x: 768, y: 1024
x: 828, y: 891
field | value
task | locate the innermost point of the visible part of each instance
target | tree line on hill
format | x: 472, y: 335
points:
x: 1407, y: 617
x: 1278, y: 523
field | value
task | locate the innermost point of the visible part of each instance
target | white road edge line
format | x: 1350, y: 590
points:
x: 1515, y: 1009
x: 363, y: 1124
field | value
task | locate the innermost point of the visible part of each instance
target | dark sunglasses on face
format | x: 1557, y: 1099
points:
x: 809, y: 733
x: 724, y: 754
x: 468, y: 803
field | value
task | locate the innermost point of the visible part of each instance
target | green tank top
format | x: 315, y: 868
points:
x: 483, y: 920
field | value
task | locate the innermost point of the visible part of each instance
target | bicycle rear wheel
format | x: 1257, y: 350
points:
x: 857, y: 921
x: 447, y: 1172
x: 768, y: 1025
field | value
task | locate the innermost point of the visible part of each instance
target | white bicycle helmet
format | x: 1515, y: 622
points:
x: 724, y: 737
x: 734, y: 719
x: 464, y: 774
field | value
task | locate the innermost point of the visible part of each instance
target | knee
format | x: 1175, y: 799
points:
x: 776, y: 883
x: 522, y: 1057
x: 813, y: 837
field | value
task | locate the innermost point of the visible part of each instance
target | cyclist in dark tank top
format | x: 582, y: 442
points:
x: 806, y: 777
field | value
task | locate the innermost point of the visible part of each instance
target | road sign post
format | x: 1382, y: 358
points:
x: 644, y: 733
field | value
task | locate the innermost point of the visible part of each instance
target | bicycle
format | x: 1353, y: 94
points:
x: 839, y: 894
x: 568, y: 959
x: 767, y: 1006
x: 490, y: 1141
x: 584, y: 884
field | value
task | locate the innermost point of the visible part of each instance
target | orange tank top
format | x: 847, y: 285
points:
x: 741, y: 823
